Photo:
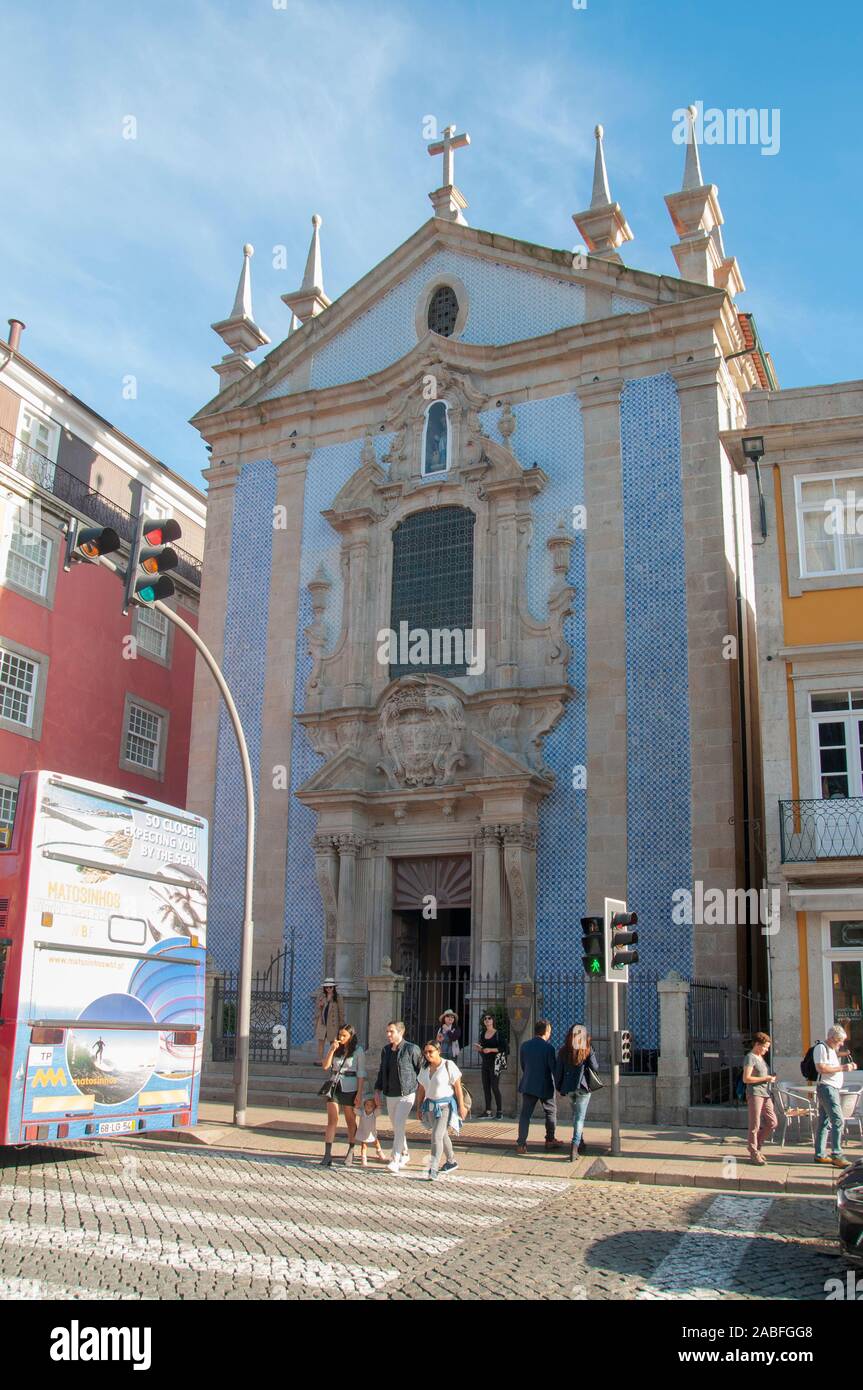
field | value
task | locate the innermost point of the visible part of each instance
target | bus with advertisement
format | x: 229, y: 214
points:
x: 103, y: 920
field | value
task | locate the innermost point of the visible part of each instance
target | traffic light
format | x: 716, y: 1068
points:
x: 623, y: 1046
x: 622, y: 940
x: 91, y: 542
x: 618, y: 941
x: 150, y: 557
x: 593, y: 947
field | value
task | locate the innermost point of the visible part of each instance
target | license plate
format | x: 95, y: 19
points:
x: 116, y: 1127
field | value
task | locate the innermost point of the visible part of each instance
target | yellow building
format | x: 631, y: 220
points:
x: 807, y: 546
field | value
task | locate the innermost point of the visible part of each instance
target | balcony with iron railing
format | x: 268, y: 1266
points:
x: 82, y: 498
x: 814, y: 830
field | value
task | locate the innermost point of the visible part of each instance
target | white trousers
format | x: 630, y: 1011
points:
x: 398, y: 1109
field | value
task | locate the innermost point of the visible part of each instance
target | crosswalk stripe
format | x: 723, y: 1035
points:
x: 29, y: 1290
x: 715, y: 1247
x: 179, y: 1256
x: 274, y: 1228
x: 445, y: 1218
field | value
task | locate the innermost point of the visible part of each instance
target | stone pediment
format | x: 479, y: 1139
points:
x: 345, y: 772
x: 497, y: 762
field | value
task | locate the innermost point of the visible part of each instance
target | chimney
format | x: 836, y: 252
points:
x: 16, y: 328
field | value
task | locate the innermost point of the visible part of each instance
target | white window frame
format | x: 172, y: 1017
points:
x: 5, y: 721
x: 800, y: 481
x: 8, y: 786
x: 15, y: 525
x: 846, y: 716
x: 441, y: 472
x: 142, y: 624
x: 830, y: 954
x: 127, y: 764
x: 40, y: 419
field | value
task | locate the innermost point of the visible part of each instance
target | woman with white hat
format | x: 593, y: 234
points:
x: 329, y: 1015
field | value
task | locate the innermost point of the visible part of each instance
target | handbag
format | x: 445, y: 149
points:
x: 329, y: 1087
x: 500, y: 1063
x: 592, y: 1079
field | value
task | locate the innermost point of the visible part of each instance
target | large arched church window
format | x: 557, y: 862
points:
x: 431, y: 611
x: 435, y: 455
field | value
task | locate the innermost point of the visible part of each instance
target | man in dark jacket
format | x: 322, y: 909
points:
x: 537, y: 1085
x: 397, y: 1080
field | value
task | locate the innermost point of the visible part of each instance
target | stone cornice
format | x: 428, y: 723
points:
x: 554, y: 360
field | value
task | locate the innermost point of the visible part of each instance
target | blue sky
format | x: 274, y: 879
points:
x: 120, y: 253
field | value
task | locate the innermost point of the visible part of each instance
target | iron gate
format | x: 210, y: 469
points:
x: 271, y: 1015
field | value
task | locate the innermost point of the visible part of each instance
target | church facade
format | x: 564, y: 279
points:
x: 475, y: 571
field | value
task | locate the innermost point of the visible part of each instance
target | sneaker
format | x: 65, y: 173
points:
x: 395, y: 1166
x: 349, y: 1156
x: 486, y: 1115
x: 823, y: 1160
x: 582, y: 1147
x: 839, y: 1162
x: 404, y: 1159
x: 432, y: 1174
x: 449, y: 1167
x: 499, y: 1116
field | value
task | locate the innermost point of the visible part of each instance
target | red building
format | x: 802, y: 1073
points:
x: 84, y: 690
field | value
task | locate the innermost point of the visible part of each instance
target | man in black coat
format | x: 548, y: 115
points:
x: 537, y: 1085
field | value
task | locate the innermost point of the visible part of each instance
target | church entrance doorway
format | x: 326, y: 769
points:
x: 432, y: 938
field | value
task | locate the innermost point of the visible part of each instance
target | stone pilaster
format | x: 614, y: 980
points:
x: 519, y: 856
x: 327, y: 875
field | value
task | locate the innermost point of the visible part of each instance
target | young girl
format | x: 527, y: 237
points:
x: 367, y: 1132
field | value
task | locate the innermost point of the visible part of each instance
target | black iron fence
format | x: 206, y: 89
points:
x: 821, y: 829
x: 427, y: 996
x: 721, y: 1023
x: 271, y: 1013
x: 565, y: 998
x: 14, y: 453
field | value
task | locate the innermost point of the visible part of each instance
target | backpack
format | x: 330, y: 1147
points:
x: 808, y: 1069
x: 740, y: 1089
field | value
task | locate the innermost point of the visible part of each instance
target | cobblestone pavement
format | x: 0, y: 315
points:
x: 171, y: 1223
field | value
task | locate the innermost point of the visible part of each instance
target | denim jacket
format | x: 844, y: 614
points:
x: 568, y: 1078
x: 410, y: 1060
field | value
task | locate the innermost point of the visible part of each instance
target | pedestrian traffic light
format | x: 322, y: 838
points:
x: 623, y: 1046
x: 593, y: 947
x: 150, y: 557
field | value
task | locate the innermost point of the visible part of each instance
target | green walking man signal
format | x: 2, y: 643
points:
x: 593, y: 947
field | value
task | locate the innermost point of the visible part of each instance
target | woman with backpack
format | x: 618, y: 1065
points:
x: 576, y: 1060
x: 440, y: 1106
x: 492, y: 1051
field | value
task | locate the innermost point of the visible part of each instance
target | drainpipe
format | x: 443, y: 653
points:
x: 16, y: 328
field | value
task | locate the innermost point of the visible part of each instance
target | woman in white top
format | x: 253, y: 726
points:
x: 346, y: 1063
x: 440, y: 1105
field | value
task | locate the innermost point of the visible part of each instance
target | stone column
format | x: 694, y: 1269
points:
x: 327, y: 875
x: 672, y: 1080
x: 491, y: 926
x: 386, y: 1002
x: 380, y: 919
x: 519, y: 856
x: 356, y: 596
x: 349, y: 847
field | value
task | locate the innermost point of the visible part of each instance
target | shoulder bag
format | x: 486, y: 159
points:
x: 329, y: 1087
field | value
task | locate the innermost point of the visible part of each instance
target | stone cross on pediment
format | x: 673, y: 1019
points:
x: 446, y: 146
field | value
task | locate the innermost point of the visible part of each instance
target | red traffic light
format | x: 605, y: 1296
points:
x: 161, y: 531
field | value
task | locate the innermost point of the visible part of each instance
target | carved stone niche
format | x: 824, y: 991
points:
x: 421, y: 728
